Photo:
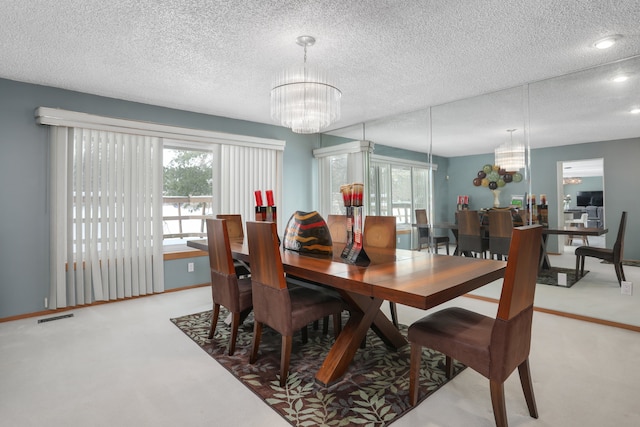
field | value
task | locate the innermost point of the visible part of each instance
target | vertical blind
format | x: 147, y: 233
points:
x: 106, y: 242
x: 242, y: 171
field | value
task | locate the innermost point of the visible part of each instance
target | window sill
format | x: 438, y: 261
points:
x: 181, y: 251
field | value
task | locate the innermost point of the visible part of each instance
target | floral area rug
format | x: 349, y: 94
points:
x: 550, y: 277
x: 373, y: 392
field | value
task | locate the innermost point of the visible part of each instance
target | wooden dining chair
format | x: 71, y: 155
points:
x: 492, y: 347
x: 500, y: 228
x: 274, y: 304
x: 227, y: 289
x: 580, y: 223
x: 423, y: 233
x: 470, y: 237
x: 380, y: 232
x: 613, y: 255
x: 337, y: 228
x: 234, y: 226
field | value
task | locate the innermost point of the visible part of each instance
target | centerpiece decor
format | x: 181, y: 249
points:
x: 495, y: 178
x: 265, y: 213
x: 352, y: 197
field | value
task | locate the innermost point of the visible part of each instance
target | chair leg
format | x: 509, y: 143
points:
x: 394, y: 314
x: 497, y: 401
x: 214, y: 320
x: 285, y: 357
x: 527, y: 388
x: 316, y: 325
x: 235, y: 325
x: 305, y: 334
x: 582, y: 258
x: 577, y: 267
x: 325, y: 325
x: 257, y: 334
x: 448, y: 365
x: 619, y: 272
x: 446, y: 245
x: 414, y: 373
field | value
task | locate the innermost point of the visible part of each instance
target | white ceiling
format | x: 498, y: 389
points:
x: 391, y: 57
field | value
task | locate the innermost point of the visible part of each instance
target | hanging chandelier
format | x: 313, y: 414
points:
x: 303, y: 98
x: 510, y: 155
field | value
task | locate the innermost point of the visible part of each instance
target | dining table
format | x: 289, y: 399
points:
x: 544, y: 263
x: 417, y: 279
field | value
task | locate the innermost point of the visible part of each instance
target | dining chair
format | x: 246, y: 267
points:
x: 580, y: 223
x: 500, y: 228
x: 494, y: 347
x: 234, y: 226
x: 423, y: 233
x: 470, y: 237
x: 380, y: 232
x: 613, y: 255
x: 337, y: 228
x: 226, y: 288
x: 282, y: 308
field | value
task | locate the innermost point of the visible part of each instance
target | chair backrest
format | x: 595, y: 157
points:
x: 264, y: 254
x: 337, y: 228
x: 500, y: 228
x: 500, y: 223
x: 379, y: 232
x: 220, y: 258
x: 584, y: 218
x: 618, y: 246
x: 421, y: 216
x: 468, y: 223
x: 270, y: 295
x: 518, y: 288
x: 224, y: 281
x: 234, y: 225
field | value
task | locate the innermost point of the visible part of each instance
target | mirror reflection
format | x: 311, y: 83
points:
x: 571, y: 120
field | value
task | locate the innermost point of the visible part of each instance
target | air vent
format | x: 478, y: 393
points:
x: 50, y: 319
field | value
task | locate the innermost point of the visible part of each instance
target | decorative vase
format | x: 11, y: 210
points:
x: 496, y: 198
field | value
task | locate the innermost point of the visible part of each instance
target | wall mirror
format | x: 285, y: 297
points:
x: 592, y: 105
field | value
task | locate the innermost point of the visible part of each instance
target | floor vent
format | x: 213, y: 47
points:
x: 49, y: 319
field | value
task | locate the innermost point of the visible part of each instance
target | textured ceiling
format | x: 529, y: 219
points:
x: 391, y: 57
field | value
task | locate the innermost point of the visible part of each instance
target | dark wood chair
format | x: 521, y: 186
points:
x: 470, y: 236
x: 234, y: 226
x: 337, y: 228
x: 492, y: 347
x: 274, y: 304
x: 500, y: 228
x: 423, y: 232
x: 380, y: 232
x: 613, y: 256
x: 226, y: 288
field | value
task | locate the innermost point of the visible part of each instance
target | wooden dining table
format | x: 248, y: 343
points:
x: 545, y: 264
x: 416, y: 279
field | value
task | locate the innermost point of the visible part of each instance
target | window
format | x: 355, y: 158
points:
x: 398, y: 188
x: 106, y: 195
x: 187, y: 193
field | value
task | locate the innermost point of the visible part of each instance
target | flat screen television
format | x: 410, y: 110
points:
x: 589, y: 198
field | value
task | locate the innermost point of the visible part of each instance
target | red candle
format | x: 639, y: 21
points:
x: 270, y: 198
x: 258, y: 194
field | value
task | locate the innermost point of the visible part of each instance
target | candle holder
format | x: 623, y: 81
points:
x: 354, y: 251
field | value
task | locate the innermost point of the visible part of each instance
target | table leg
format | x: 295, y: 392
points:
x: 365, y: 314
x: 544, y: 257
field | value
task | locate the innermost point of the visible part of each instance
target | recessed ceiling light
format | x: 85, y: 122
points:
x: 635, y: 111
x: 620, y: 78
x: 607, y: 42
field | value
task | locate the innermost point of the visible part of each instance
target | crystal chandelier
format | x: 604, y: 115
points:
x: 303, y: 97
x: 510, y: 155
